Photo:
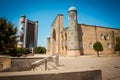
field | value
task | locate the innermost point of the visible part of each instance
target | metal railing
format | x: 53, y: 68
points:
x: 45, y: 60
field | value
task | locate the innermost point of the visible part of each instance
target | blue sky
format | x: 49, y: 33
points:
x: 92, y: 12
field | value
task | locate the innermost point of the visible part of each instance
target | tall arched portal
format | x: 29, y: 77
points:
x: 54, y: 41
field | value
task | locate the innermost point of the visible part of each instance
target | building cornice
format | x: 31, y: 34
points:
x: 98, y: 26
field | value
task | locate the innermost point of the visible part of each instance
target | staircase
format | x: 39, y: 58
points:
x: 48, y: 63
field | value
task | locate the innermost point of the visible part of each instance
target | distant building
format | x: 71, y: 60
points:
x: 78, y: 39
x: 27, y: 32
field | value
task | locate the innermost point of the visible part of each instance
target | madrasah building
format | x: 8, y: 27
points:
x: 78, y: 39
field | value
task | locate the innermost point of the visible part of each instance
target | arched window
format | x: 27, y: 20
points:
x: 91, y: 45
x: 65, y: 36
x: 107, y: 36
x: 102, y: 36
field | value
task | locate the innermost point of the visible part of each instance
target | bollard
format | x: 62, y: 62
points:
x: 57, y: 60
x: 32, y: 51
x: 46, y: 64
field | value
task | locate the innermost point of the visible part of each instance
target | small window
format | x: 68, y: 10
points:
x: 102, y: 36
x: 91, y: 45
x: 109, y: 45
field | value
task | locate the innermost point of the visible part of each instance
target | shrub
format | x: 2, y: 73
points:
x: 98, y: 47
x: 16, y: 52
x: 26, y: 51
x: 40, y: 50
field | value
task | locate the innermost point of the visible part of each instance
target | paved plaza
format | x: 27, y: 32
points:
x: 110, y: 66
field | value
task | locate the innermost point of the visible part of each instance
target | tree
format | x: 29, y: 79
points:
x: 7, y: 37
x: 98, y: 47
x: 40, y: 50
x: 117, y: 44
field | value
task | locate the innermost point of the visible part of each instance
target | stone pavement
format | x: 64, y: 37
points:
x: 110, y: 66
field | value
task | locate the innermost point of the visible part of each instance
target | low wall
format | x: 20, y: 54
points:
x: 13, y: 64
x: 22, y: 64
x: 5, y: 63
x: 66, y: 75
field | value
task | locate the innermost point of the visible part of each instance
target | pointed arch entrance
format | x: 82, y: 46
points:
x: 54, y: 41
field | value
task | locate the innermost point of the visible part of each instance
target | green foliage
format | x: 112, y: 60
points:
x: 17, y: 52
x: 8, y: 43
x: 40, y: 50
x: 98, y: 47
x: 117, y: 44
x: 26, y: 51
x: 7, y: 37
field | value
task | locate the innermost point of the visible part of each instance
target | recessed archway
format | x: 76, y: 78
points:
x: 54, y: 41
x: 54, y: 34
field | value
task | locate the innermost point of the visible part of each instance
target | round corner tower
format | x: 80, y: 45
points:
x: 72, y: 38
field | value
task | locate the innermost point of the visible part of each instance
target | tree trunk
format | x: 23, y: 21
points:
x: 119, y: 53
x: 98, y: 53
